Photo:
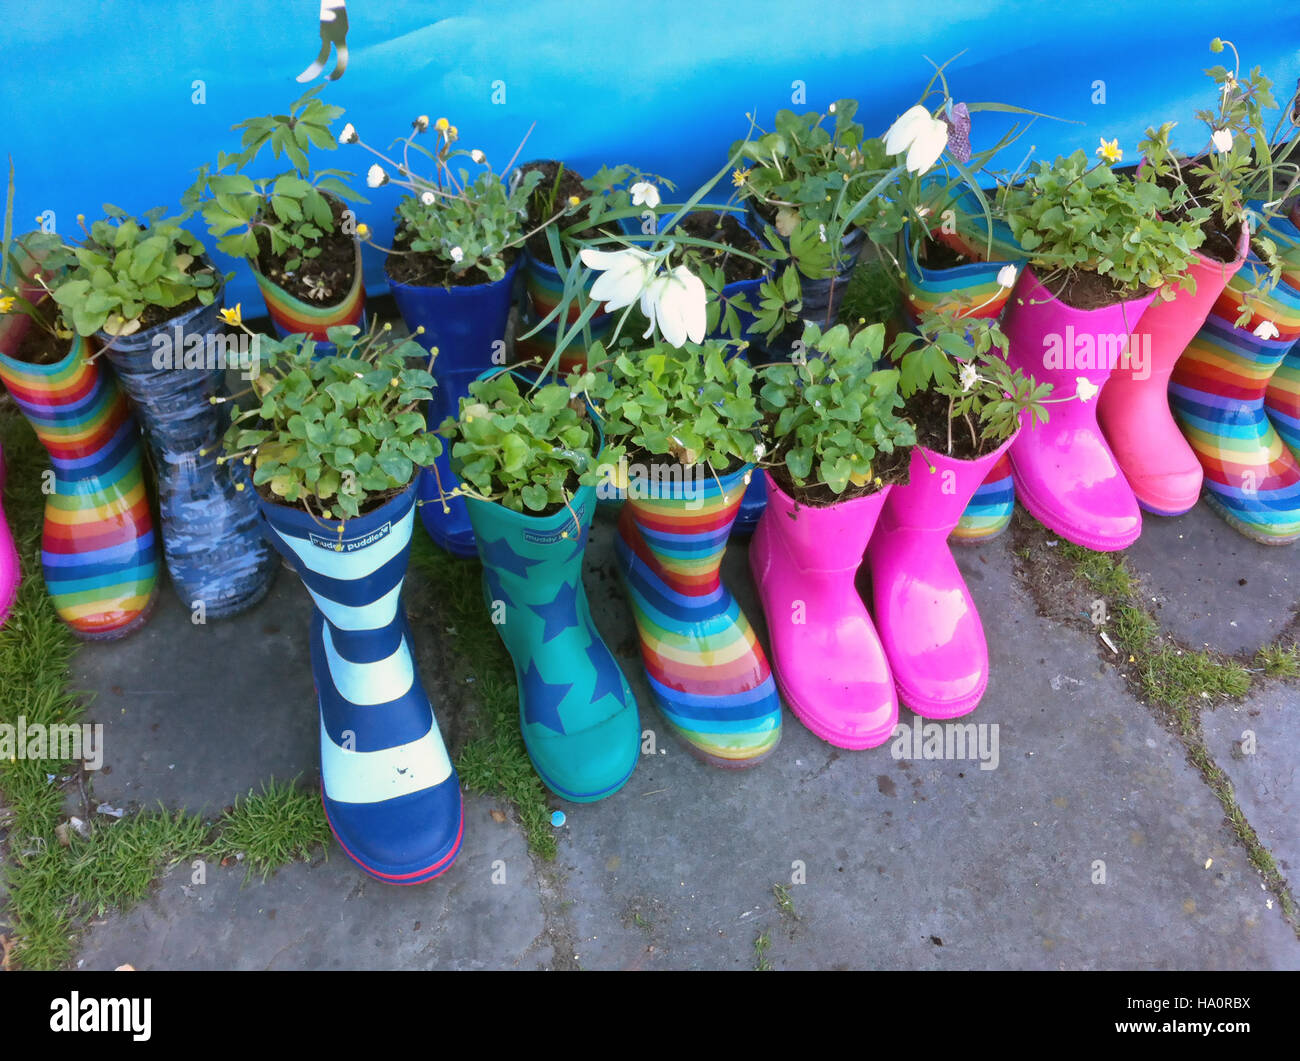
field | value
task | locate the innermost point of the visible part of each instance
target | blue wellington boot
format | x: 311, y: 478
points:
x: 465, y: 324
x: 390, y: 792
x: 578, y: 715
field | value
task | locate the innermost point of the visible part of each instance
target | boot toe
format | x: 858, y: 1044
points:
x: 406, y: 840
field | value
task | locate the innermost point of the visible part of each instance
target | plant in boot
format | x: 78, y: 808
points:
x: 132, y: 274
x: 292, y: 227
x: 836, y: 445
x: 337, y: 435
x: 527, y: 456
x: 98, y: 550
x: 831, y: 419
x: 335, y: 442
x: 152, y: 299
x: 956, y: 381
x: 456, y: 227
x: 1096, y: 237
x: 687, y: 417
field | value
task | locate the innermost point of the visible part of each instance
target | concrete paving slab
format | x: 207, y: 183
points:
x: 1257, y: 744
x: 1213, y: 587
x: 907, y: 863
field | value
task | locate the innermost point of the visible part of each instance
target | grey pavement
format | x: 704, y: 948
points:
x: 1093, y: 844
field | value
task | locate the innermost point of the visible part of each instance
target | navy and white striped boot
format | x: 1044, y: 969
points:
x: 390, y: 792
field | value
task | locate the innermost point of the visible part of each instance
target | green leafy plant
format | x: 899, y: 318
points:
x: 330, y: 433
x: 962, y: 361
x: 465, y: 222
x: 692, y: 403
x: 30, y: 263
x: 124, y: 266
x: 1071, y: 217
x: 525, y: 449
x: 289, y: 213
x: 829, y: 417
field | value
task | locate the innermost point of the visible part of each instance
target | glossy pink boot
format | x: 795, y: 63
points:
x: 10, y: 573
x: 1065, y: 473
x: 1133, y: 409
x: 828, y: 660
x: 928, y: 623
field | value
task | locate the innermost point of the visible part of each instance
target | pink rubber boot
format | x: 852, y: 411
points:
x: 826, y: 655
x: 1065, y: 473
x: 10, y: 573
x: 928, y: 623
x: 1133, y: 409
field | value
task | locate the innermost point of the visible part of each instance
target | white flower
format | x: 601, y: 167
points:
x: 759, y: 450
x: 457, y: 255
x: 821, y: 232
x: 675, y: 303
x: 375, y: 176
x: 477, y: 156
x: 1007, y: 276
x: 830, y: 109
x: 1266, y: 330
x: 421, y: 123
x: 923, y: 138
x: 1222, y: 140
x: 624, y: 275
x: 968, y: 376
x: 428, y: 198
x: 1084, y: 389
x: 349, y: 135
x: 645, y: 194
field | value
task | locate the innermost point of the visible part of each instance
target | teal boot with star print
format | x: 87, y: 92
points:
x: 576, y: 711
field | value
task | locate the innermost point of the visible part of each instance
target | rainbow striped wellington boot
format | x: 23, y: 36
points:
x: 292, y: 316
x: 576, y: 711
x: 1282, y: 400
x: 1217, y: 393
x: 705, y: 667
x: 975, y: 284
x: 99, y: 550
x: 390, y: 792
x: 543, y: 289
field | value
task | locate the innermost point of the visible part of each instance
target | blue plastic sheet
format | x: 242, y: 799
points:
x: 100, y: 98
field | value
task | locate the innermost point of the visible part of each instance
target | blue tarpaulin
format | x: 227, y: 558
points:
x: 102, y: 100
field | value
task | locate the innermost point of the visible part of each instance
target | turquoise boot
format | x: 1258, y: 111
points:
x: 576, y: 711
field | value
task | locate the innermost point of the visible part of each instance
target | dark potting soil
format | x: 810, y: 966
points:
x: 1082, y: 289
x: 929, y: 412
x: 724, y: 228
x: 156, y: 315
x: 570, y: 185
x: 935, y: 254
x: 426, y: 269
x: 1220, y: 243
x: 39, y: 347
x: 891, y: 468
x: 334, y: 267
x: 372, y: 502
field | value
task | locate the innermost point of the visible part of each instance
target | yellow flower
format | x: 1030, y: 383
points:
x: 574, y: 200
x: 738, y: 177
x: 1110, y: 151
x: 442, y: 125
x: 6, y: 304
x: 232, y: 316
x: 363, y: 230
x: 453, y: 133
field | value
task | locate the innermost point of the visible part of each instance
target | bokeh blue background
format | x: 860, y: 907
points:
x: 97, y: 95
